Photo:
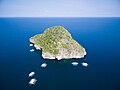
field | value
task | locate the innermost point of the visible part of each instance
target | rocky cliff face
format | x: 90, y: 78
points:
x: 57, y: 42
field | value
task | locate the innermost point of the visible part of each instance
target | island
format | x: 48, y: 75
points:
x: 57, y: 43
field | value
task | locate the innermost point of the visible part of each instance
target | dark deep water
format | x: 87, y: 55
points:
x: 100, y: 37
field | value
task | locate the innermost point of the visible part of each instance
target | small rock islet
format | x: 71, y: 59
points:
x: 57, y: 43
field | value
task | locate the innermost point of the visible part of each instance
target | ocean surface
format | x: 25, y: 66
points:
x: 99, y: 36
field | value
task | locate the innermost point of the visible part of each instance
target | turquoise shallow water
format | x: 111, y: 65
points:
x: 100, y: 37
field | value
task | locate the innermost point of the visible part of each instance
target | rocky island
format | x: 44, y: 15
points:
x: 57, y: 43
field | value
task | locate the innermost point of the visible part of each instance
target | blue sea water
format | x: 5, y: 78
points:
x: 100, y: 37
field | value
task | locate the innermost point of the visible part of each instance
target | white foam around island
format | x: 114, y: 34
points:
x: 32, y: 81
x: 31, y: 74
x: 44, y: 65
x: 31, y: 50
x: 31, y: 45
x: 84, y: 64
x: 74, y: 63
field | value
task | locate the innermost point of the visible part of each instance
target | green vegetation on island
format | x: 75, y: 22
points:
x: 56, y: 38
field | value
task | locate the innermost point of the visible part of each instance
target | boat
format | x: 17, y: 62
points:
x: 31, y: 45
x: 84, y: 64
x: 32, y: 50
x: 74, y: 63
x: 32, y: 81
x: 31, y: 74
x: 44, y: 65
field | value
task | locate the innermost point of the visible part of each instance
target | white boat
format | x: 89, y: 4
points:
x: 32, y: 50
x: 44, y: 65
x: 74, y: 63
x: 31, y: 45
x: 84, y: 64
x: 31, y: 74
x: 32, y: 81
